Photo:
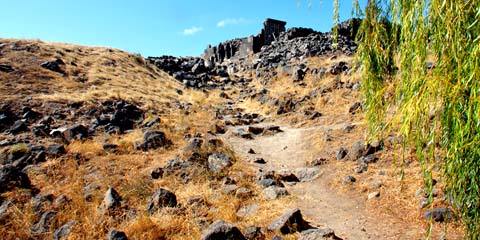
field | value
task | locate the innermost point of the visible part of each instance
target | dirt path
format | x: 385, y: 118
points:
x: 346, y: 214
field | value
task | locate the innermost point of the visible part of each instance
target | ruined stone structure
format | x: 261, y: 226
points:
x: 242, y: 47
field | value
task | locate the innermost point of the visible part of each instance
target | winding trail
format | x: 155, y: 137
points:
x: 319, y: 203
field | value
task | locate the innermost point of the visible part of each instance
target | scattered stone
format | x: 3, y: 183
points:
x: 349, y: 179
x: 424, y: 202
x: 218, y: 162
x: 45, y: 223
x: 54, y: 66
x: 251, y: 151
x: 18, y: 127
x: 338, y: 68
x: 6, y: 68
x: 222, y: 230
x: 355, y: 108
x: 75, y: 132
x: 220, y: 129
x: 162, y: 198
x: 63, y: 231
x: 349, y: 128
x: 370, y: 158
x: 4, y: 214
x: 111, y: 202
x: 290, y: 222
x: 373, y: 195
x: 109, y: 147
x: 157, y: 173
x: 298, y: 74
x: 194, y: 144
x: 439, y: 214
x: 376, y: 184
x: 61, y: 201
x: 320, y: 161
x: 360, y: 168
x: 287, y: 176
x: 341, y: 153
x: 152, y: 122
x: 11, y: 177
x: 254, y: 233
x: 273, y: 129
x: 41, y: 202
x: 358, y: 149
x: 255, y: 130
x: 274, y: 192
x: 306, y: 174
x: 247, y: 210
x: 229, y: 189
x: 259, y: 161
x: 315, y: 115
x: 153, y: 139
x: 240, y: 132
x: 55, y: 150
x: 89, y: 191
x: 318, y: 234
x: 117, y: 235
x: 243, y: 193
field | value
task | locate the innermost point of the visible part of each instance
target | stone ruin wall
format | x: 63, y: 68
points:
x: 242, y: 47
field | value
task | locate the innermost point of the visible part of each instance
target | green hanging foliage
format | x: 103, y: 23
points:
x: 434, y: 96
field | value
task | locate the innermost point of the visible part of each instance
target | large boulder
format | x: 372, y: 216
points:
x: 221, y: 230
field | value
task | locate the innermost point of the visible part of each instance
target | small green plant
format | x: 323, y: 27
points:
x: 18, y: 149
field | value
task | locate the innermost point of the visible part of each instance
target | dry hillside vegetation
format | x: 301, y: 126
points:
x: 105, y: 143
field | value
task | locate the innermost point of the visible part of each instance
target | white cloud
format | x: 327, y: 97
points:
x: 232, y: 21
x: 191, y: 31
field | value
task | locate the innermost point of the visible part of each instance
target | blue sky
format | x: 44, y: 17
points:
x: 158, y: 27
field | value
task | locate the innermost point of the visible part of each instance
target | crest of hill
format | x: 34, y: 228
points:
x: 82, y: 74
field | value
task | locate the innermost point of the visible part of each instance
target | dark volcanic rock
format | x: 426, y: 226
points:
x: 290, y: 222
x: 6, y: 68
x: 341, y: 153
x: 162, y: 198
x: 55, y: 150
x: 75, y: 132
x: 11, y: 177
x: 153, y: 139
x: 157, y: 173
x: 18, y: 127
x: 221, y: 230
x: 117, y: 235
x: 54, y: 66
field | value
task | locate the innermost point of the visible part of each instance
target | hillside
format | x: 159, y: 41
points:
x: 99, y: 143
